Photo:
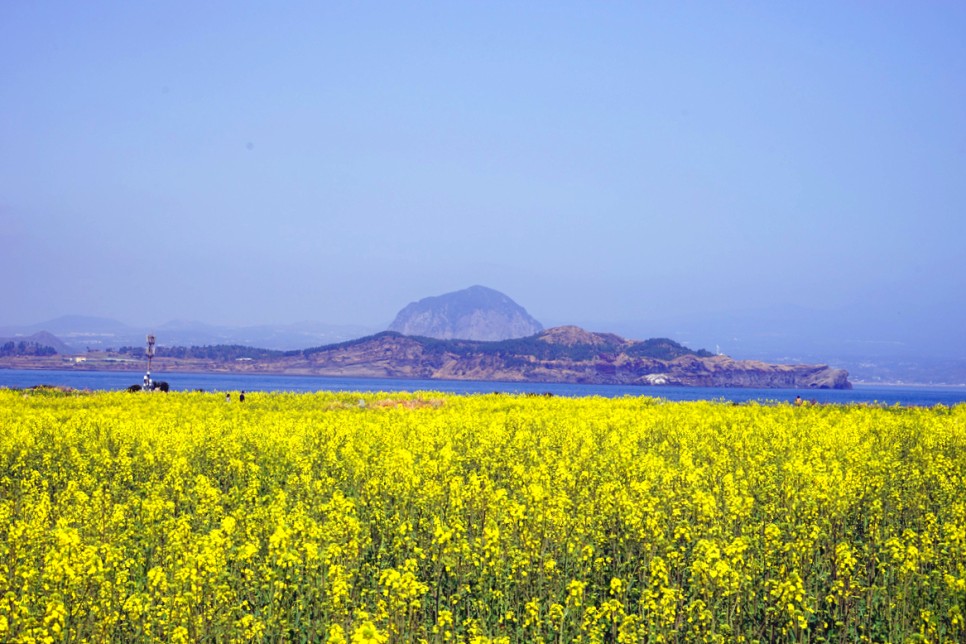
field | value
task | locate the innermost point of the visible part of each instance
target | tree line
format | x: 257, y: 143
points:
x: 24, y: 348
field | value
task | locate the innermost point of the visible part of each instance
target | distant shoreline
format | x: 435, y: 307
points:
x: 205, y: 367
x: 48, y: 364
x: 866, y: 383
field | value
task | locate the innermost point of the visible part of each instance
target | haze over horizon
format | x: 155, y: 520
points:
x: 614, y: 166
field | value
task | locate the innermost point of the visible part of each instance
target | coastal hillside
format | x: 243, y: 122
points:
x: 566, y: 354
x: 562, y: 354
x: 37, y: 344
x: 475, y: 313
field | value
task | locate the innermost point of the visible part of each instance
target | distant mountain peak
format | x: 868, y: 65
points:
x: 474, y: 313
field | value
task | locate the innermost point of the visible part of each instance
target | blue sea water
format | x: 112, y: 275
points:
x: 112, y: 380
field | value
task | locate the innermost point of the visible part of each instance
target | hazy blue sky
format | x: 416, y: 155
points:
x: 248, y: 163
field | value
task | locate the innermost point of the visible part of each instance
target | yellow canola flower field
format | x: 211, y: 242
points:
x: 348, y: 517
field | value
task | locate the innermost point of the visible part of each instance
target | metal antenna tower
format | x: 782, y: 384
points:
x: 150, y: 354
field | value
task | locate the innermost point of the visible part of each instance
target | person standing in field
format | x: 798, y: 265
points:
x: 241, y: 396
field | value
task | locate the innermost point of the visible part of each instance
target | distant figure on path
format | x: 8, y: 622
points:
x: 241, y: 396
x: 227, y: 396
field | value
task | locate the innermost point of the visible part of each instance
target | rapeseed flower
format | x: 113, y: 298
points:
x: 429, y: 517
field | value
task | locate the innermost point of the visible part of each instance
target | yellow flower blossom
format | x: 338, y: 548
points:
x: 429, y: 517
